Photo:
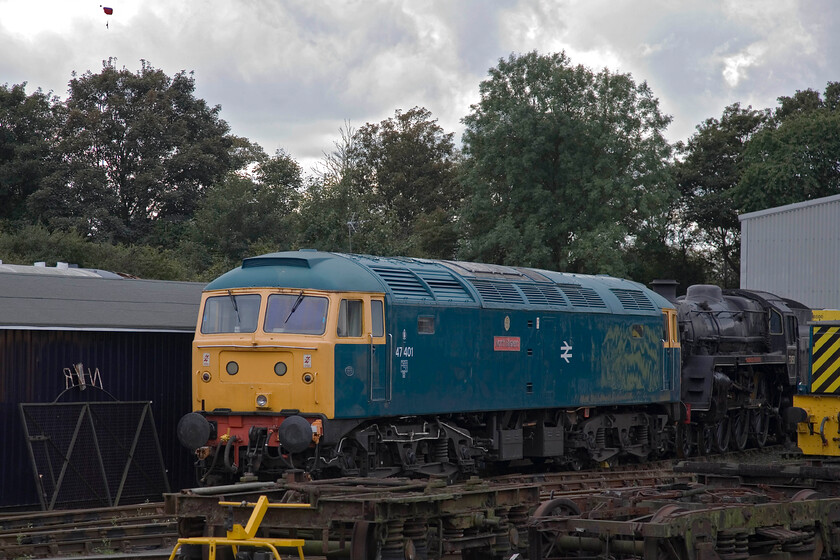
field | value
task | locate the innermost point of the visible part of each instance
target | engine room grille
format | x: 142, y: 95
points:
x: 445, y: 287
x: 633, y: 300
x: 580, y: 296
x: 498, y: 292
x: 542, y: 294
x: 403, y: 283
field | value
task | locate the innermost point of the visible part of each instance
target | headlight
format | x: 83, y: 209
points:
x: 206, y: 377
x: 232, y: 368
x: 262, y: 401
x: 308, y: 378
x: 280, y: 368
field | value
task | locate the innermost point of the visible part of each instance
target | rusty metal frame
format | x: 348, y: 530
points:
x: 85, y: 427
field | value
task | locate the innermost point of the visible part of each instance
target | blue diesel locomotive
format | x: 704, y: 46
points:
x: 356, y: 365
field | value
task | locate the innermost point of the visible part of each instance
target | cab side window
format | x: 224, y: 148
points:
x: 377, y: 315
x: 350, y: 318
x: 775, y: 322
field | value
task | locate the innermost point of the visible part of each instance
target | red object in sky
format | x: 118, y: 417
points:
x: 108, y: 11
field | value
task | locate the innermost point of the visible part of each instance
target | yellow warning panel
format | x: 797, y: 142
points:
x: 820, y: 315
x: 820, y: 434
x: 825, y: 359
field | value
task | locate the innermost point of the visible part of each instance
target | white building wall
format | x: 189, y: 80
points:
x: 794, y: 251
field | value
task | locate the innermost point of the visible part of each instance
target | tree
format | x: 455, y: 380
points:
x: 797, y: 156
x: 33, y: 243
x: 137, y: 148
x: 28, y: 130
x: 409, y: 163
x: 339, y: 212
x: 707, y: 175
x: 242, y: 210
x: 562, y: 165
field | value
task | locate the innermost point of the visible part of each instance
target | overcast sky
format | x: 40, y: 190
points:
x: 289, y: 73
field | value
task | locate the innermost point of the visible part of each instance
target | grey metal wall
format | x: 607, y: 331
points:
x: 134, y: 366
x: 794, y: 251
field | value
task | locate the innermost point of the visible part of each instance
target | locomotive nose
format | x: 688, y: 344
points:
x: 193, y: 430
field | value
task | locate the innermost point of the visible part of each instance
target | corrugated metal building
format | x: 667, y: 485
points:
x: 136, y: 333
x: 794, y: 251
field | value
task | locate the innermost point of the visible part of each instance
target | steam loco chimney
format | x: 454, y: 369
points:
x: 666, y: 289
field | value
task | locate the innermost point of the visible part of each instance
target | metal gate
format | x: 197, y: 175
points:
x: 94, y: 454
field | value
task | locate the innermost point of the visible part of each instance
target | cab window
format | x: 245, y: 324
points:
x: 296, y: 313
x: 350, y: 318
x: 377, y: 315
x: 230, y: 314
x: 775, y: 322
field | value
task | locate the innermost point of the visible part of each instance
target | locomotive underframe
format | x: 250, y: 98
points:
x: 734, y: 400
x: 451, y: 446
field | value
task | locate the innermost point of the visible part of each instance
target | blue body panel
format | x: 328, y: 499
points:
x: 458, y: 368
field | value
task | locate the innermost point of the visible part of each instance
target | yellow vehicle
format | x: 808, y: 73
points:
x: 819, y: 433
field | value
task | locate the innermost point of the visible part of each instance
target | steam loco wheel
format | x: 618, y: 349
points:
x: 707, y: 438
x: 740, y: 422
x: 685, y: 440
x: 722, y: 435
x: 760, y: 425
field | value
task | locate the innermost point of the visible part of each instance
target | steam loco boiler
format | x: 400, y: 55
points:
x: 345, y: 365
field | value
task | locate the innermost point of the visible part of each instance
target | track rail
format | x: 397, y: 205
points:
x: 678, y: 510
x: 141, y: 531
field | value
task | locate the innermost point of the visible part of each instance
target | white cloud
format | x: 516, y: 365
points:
x: 289, y: 74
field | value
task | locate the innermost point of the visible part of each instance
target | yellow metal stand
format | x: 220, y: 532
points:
x: 245, y: 536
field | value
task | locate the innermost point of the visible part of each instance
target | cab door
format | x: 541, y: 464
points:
x: 670, y: 352
x: 792, y: 347
x: 380, y: 356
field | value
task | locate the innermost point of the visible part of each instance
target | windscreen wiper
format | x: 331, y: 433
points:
x: 235, y: 308
x: 294, y: 307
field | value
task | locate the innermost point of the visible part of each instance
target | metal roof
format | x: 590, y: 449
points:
x: 79, y: 299
x: 789, y: 207
x: 428, y: 281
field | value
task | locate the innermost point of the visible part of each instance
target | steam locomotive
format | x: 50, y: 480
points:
x: 353, y: 365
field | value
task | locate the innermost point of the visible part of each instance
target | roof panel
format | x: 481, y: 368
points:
x: 95, y: 303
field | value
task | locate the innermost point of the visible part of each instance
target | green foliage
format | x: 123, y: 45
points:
x: 389, y: 188
x: 28, y: 127
x: 137, y: 148
x: 241, y: 211
x: 408, y: 164
x: 797, y: 156
x: 35, y: 243
x: 707, y: 174
x: 563, y: 166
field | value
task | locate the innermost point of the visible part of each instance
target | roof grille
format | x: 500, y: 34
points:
x: 445, y: 287
x: 497, y: 292
x: 633, y: 299
x: 580, y: 296
x: 543, y: 295
x: 403, y: 283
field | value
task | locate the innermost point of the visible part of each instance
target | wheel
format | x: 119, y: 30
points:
x: 685, y: 440
x: 760, y: 426
x: 740, y: 429
x: 722, y: 435
x: 558, y: 507
x: 363, y: 543
x: 706, y: 438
